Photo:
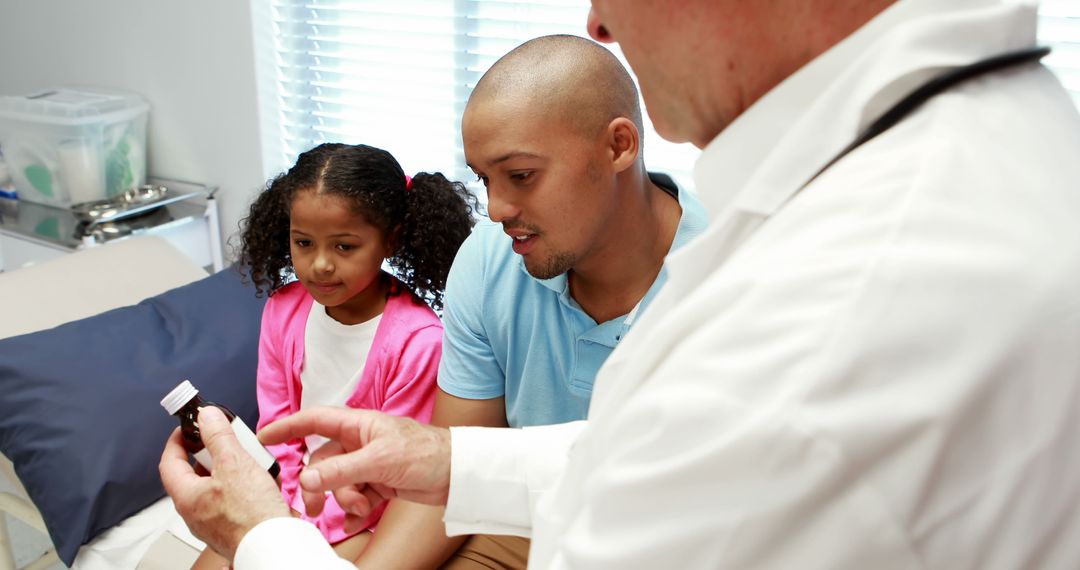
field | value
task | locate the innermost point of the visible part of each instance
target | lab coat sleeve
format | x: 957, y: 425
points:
x: 498, y: 474
x: 287, y: 543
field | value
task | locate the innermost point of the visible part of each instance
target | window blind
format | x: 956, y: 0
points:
x: 376, y: 72
x: 396, y: 73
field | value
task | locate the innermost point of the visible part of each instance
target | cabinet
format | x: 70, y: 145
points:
x: 187, y: 218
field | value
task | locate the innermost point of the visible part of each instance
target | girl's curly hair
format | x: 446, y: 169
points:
x: 431, y: 219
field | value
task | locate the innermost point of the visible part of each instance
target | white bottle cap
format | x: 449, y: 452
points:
x: 180, y: 395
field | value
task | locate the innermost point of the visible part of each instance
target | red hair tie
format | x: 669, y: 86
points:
x: 408, y: 183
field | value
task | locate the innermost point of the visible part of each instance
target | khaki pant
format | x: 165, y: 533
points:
x: 489, y: 551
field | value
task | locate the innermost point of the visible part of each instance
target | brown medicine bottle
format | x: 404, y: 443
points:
x: 184, y: 403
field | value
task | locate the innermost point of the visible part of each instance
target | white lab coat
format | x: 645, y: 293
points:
x: 880, y: 371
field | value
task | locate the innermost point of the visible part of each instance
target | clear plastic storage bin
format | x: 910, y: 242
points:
x: 68, y: 146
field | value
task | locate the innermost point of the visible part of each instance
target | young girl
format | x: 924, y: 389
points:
x: 344, y: 332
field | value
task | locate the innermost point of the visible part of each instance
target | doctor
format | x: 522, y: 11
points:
x: 869, y: 361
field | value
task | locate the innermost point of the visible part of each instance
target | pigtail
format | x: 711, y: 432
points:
x: 264, y: 249
x: 438, y: 218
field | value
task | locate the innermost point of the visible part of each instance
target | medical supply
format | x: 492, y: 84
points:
x: 184, y: 402
x: 69, y: 146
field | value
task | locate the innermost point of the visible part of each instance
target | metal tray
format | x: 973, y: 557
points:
x: 131, y: 203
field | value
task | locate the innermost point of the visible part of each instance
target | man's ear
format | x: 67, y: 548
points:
x: 625, y: 141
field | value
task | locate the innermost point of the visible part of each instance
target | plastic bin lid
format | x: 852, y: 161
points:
x: 72, y: 106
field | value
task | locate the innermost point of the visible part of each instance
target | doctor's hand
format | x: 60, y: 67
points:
x: 221, y: 508
x: 371, y: 457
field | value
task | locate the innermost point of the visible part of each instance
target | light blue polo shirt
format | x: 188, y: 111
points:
x: 510, y: 334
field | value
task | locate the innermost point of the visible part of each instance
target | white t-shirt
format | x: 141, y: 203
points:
x: 334, y: 357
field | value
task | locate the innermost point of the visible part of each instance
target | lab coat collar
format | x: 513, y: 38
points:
x: 769, y: 152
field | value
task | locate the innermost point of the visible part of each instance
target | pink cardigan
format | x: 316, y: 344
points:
x: 399, y: 378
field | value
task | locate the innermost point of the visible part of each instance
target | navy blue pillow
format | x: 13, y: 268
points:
x: 79, y: 404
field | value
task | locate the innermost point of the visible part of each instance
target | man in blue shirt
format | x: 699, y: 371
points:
x: 525, y: 342
x: 538, y: 299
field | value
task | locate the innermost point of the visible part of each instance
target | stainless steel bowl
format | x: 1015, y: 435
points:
x: 130, y: 203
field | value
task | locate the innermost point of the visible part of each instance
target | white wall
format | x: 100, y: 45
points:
x: 193, y: 60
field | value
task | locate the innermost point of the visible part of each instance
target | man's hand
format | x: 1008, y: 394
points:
x: 371, y: 458
x: 222, y: 508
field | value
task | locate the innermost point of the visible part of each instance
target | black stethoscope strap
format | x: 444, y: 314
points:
x: 931, y: 88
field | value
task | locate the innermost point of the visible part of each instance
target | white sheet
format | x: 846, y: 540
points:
x: 124, y: 545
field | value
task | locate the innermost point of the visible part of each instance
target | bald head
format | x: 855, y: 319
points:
x: 564, y: 77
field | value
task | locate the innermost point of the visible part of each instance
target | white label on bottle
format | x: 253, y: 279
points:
x: 248, y: 441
